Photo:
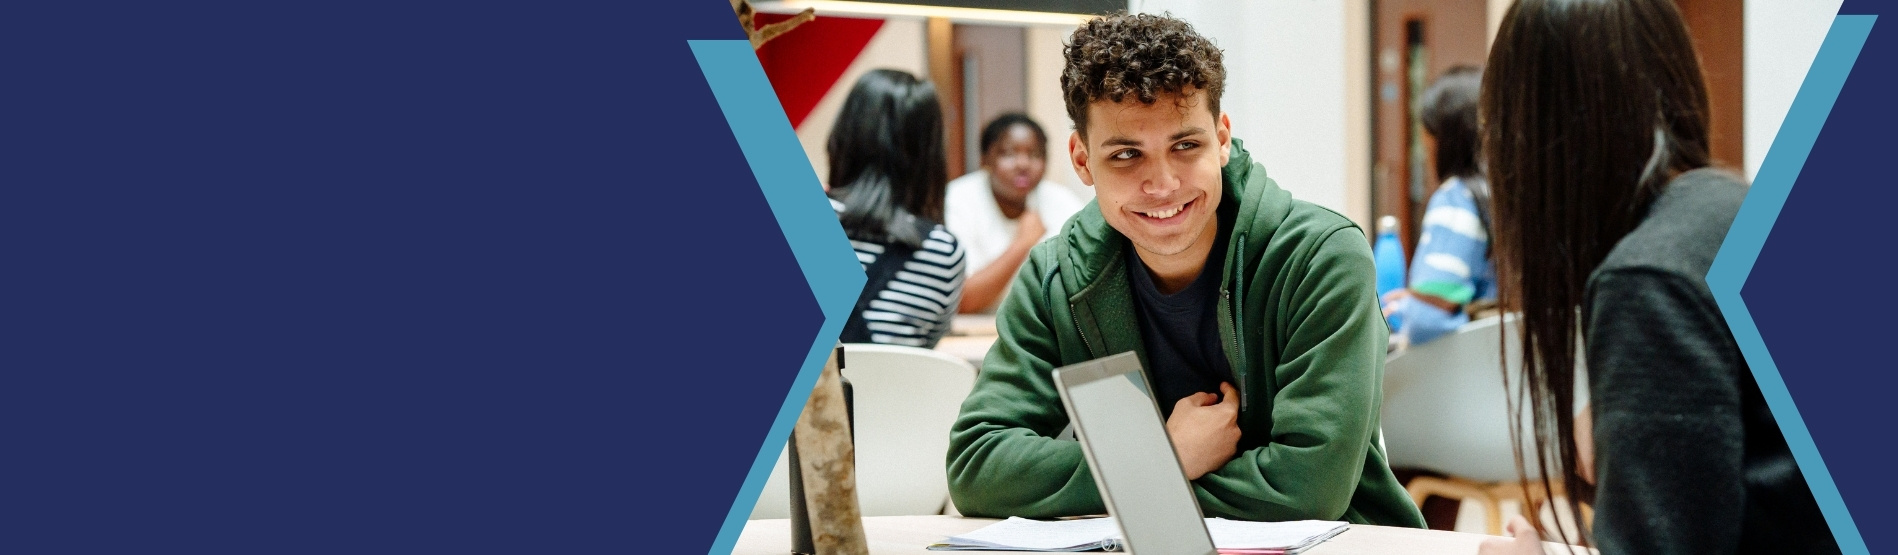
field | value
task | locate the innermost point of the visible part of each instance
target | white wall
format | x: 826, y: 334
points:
x: 1286, y: 89
x: 1357, y: 113
x: 1782, y: 37
x: 899, y: 44
x: 1046, y: 105
x: 1497, y: 9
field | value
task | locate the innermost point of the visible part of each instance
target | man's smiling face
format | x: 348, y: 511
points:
x: 1155, y: 170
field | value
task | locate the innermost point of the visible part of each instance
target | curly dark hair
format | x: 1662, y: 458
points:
x: 1138, y: 55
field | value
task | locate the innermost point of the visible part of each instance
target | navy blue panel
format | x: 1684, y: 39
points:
x: 1817, y: 294
x: 394, y: 277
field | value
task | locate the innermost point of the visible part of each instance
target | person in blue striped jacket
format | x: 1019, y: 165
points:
x: 1451, y: 269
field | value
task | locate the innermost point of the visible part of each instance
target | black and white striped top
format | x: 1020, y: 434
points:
x: 910, y: 299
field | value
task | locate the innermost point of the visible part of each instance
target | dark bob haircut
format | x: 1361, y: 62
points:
x: 1448, y: 111
x: 886, y: 159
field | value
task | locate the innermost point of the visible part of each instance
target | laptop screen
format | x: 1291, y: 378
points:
x: 1131, y: 457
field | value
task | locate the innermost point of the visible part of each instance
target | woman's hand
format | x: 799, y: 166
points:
x: 1523, y: 540
x: 1390, y: 300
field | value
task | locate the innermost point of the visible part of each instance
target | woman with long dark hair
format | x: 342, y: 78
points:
x: 887, y: 177
x: 1607, y: 217
x: 1451, y: 270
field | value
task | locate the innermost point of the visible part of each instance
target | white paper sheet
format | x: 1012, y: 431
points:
x: 1020, y: 534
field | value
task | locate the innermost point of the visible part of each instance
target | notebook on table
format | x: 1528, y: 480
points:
x: 1228, y: 536
x: 1151, y: 507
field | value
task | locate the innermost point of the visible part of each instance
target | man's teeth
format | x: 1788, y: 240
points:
x: 1164, y: 214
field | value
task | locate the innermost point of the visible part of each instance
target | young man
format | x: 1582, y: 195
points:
x: 1255, y: 315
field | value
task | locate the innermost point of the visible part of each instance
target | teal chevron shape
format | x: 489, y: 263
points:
x: 1750, y: 228
x: 809, y: 225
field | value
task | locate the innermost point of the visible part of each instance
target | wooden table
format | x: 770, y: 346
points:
x: 970, y: 336
x: 971, y: 348
x: 911, y: 535
x: 972, y: 324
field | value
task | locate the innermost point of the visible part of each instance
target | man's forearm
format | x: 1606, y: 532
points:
x: 1014, y: 472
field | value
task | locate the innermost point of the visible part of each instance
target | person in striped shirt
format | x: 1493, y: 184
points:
x: 887, y: 180
x: 1451, y: 268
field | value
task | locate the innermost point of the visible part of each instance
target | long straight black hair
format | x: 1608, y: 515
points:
x: 1588, y: 108
x: 886, y: 158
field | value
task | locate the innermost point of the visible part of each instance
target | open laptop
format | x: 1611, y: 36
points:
x: 1131, y: 457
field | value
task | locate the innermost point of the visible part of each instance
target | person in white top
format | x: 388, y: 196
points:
x: 1001, y: 210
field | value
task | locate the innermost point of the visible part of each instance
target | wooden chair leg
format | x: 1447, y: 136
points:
x: 1423, y: 487
x: 1494, y: 508
x: 1513, y: 490
x: 1491, y: 496
x: 1535, y: 501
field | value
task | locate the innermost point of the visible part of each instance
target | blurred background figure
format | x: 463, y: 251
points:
x: 1451, y: 269
x: 1342, y: 90
x: 1597, y: 142
x: 886, y: 183
x: 1000, y: 211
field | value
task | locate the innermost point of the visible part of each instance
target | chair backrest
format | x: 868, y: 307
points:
x: 906, y: 399
x: 1445, y: 407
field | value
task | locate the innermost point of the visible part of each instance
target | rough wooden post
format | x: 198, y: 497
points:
x: 828, y: 465
x: 760, y: 36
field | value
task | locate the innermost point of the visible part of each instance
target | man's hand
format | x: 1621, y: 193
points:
x: 1524, y: 540
x: 1205, y: 430
x: 1030, y: 230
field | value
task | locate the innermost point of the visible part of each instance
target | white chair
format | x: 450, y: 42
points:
x: 906, y: 399
x: 1445, y: 410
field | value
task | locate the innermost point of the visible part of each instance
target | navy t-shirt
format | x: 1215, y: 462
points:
x: 1181, y: 331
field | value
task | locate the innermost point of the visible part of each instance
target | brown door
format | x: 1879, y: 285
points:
x: 1718, y: 30
x: 1413, y: 41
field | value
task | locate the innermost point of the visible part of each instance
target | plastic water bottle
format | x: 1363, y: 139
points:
x: 1388, y: 255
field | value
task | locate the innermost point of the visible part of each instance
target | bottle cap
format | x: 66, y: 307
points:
x: 1387, y: 224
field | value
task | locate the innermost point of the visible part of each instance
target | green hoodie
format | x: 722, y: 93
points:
x: 1300, y: 323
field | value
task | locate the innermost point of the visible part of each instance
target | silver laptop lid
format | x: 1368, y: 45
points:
x: 1131, y: 457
